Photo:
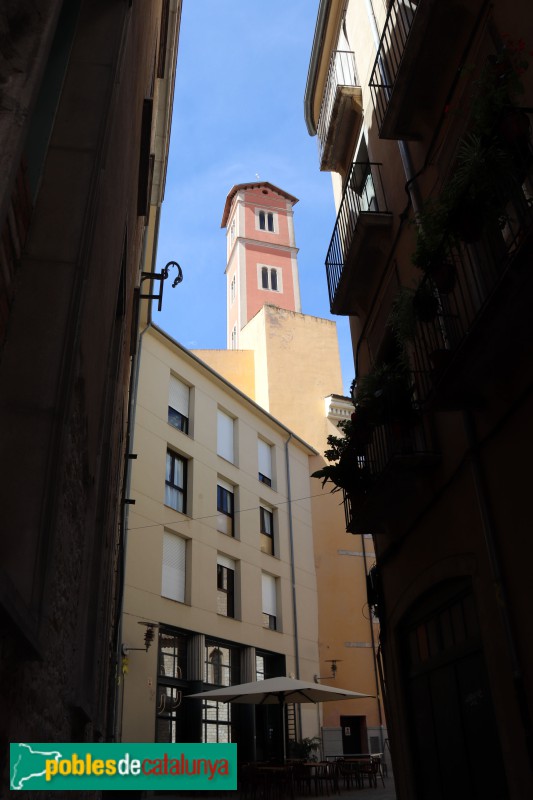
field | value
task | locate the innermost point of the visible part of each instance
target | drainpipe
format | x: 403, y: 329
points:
x: 116, y: 726
x: 293, y: 576
x: 376, y: 678
x: 489, y: 535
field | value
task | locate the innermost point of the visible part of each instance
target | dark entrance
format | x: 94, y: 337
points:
x: 456, y: 745
x: 354, y: 735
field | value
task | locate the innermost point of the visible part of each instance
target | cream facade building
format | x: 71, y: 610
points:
x: 220, y: 559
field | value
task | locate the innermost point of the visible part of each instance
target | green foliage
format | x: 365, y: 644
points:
x: 304, y: 748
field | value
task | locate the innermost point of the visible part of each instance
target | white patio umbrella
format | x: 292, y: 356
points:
x: 278, y: 691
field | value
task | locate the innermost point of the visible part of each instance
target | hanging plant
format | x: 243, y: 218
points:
x: 347, y: 469
x: 386, y: 392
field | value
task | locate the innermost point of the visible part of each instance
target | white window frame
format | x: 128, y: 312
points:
x: 279, y: 276
x: 233, y: 289
x: 234, y: 338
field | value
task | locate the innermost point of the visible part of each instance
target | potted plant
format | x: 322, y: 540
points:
x: 304, y: 749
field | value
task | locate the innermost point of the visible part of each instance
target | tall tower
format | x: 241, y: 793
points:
x: 262, y: 265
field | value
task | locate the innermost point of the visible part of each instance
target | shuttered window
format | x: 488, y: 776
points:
x: 269, y: 601
x: 174, y: 559
x: 178, y: 404
x: 225, y: 586
x: 225, y: 436
x: 264, y: 455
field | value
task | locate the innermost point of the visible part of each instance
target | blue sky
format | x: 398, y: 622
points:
x: 238, y: 114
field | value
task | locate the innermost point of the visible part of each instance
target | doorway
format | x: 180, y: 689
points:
x: 354, y: 738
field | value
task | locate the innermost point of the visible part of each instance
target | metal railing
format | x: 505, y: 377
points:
x: 392, y: 44
x: 477, y: 270
x: 342, y: 72
x: 363, y: 194
x: 400, y: 441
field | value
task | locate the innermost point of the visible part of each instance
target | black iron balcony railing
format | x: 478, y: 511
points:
x: 396, y: 449
x: 363, y: 195
x: 392, y: 44
x: 472, y: 274
x: 342, y: 72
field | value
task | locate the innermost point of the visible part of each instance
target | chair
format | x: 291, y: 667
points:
x: 302, y: 776
x: 326, y: 776
x: 371, y: 769
x: 348, y: 773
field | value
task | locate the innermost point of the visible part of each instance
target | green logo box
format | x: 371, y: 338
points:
x: 123, y: 766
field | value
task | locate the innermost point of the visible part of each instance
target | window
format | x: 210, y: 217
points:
x: 172, y: 673
x: 178, y: 404
x: 269, y: 601
x: 176, y: 482
x: 264, y: 457
x: 216, y: 722
x: 232, y: 232
x: 266, y: 221
x: 266, y: 521
x: 232, y: 289
x: 173, y: 575
x: 221, y: 669
x: 234, y: 338
x: 225, y: 508
x: 270, y: 278
x: 225, y: 436
x: 225, y: 586
x: 221, y: 663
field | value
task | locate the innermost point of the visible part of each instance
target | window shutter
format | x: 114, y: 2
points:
x: 178, y: 396
x: 269, y: 594
x: 173, y: 577
x: 224, y: 561
x: 225, y: 436
x: 265, y: 459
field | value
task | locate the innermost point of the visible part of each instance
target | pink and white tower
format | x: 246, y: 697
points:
x: 262, y: 266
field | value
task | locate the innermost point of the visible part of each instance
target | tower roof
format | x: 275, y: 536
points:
x: 256, y: 185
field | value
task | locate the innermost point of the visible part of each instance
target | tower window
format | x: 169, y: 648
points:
x: 266, y: 221
x: 232, y: 288
x: 270, y: 279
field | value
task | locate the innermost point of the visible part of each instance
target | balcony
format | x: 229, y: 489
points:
x: 341, y: 113
x: 482, y: 297
x: 406, y: 84
x: 396, y: 454
x: 362, y: 219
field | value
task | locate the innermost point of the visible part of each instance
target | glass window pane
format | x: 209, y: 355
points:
x: 274, y: 280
